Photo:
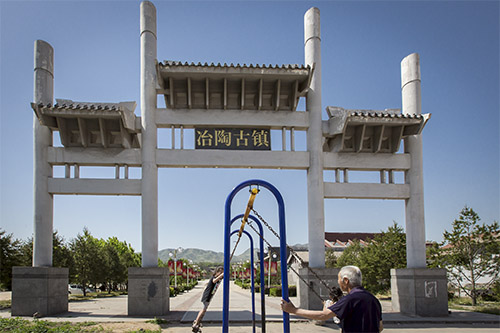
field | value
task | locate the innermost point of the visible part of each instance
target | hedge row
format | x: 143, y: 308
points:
x: 271, y: 291
x: 181, y: 288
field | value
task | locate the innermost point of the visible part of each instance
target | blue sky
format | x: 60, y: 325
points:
x: 96, y: 45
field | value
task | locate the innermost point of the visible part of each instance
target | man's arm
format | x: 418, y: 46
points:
x: 380, y: 326
x: 324, y: 314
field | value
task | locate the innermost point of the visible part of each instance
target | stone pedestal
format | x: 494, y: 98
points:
x: 306, y: 298
x: 39, y: 289
x: 420, y: 291
x: 148, y: 291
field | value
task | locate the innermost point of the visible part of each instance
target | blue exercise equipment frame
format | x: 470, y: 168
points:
x: 227, y: 242
x: 261, y: 259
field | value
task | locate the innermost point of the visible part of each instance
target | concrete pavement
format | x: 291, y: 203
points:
x: 185, y: 307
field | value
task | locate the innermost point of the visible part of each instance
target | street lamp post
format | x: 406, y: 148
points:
x: 269, y: 268
x: 175, y: 263
x: 187, y: 271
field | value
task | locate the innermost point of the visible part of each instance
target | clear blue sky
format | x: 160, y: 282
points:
x: 97, y: 53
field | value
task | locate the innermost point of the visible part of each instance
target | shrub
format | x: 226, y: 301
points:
x: 275, y: 291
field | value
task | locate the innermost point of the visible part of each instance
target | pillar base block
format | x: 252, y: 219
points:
x: 420, y: 291
x: 42, y: 290
x: 148, y: 291
x: 307, y: 299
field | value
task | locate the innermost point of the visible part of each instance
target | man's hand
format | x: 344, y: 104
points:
x: 288, y: 306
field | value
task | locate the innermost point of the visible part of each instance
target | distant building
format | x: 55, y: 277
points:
x: 337, y: 241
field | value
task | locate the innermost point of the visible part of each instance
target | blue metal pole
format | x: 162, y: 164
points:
x: 283, y: 249
x: 252, y: 278
x: 261, y: 260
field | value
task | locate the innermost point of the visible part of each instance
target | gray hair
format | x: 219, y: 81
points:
x: 353, y: 274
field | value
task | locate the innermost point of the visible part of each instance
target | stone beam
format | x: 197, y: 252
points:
x: 367, y: 161
x: 366, y: 191
x: 94, y: 156
x: 199, y: 117
x: 176, y: 158
x: 94, y: 186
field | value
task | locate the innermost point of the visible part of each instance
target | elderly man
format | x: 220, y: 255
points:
x: 358, y: 311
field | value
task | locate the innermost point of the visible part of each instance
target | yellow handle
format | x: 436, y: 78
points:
x: 253, y: 194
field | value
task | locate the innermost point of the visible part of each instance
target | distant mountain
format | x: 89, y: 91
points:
x: 199, y: 255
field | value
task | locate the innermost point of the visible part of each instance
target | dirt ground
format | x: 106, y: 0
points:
x: 208, y: 328
x: 125, y: 327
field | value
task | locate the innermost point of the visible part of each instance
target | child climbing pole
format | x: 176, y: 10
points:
x: 208, y: 293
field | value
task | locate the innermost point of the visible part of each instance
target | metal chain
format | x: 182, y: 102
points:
x: 292, y: 251
x: 234, y: 249
x: 269, y: 245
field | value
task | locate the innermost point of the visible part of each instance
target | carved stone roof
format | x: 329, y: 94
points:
x: 166, y: 63
x: 369, y: 130
x: 88, y: 124
x: 233, y: 87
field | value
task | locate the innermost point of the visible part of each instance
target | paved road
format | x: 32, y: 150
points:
x: 185, y: 307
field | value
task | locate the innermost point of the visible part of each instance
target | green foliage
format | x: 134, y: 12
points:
x: 5, y: 304
x: 89, y: 260
x: 118, y: 256
x: 470, y: 252
x: 352, y: 255
x: 465, y: 303
x: 386, y: 251
x: 19, y: 325
x: 276, y: 291
x: 292, y: 291
x: 157, y: 321
x: 330, y: 258
x: 10, y: 256
x: 495, y: 290
x: 61, y: 253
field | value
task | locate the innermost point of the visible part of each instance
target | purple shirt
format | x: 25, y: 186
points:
x: 358, y: 311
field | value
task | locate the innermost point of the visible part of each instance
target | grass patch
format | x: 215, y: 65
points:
x: 157, y: 321
x: 19, y: 325
x: 464, y: 303
x: 488, y: 309
x: 384, y: 295
x: 77, y: 298
x: 5, y: 304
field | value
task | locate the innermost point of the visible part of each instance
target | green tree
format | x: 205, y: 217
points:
x: 385, y: 251
x: 128, y: 258
x: 351, y: 255
x: 377, y: 257
x: 471, y: 252
x: 116, y: 271
x: 89, y: 263
x: 61, y: 253
x: 10, y: 256
x: 330, y: 259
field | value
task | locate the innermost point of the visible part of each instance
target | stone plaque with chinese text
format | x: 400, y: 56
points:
x: 232, y: 138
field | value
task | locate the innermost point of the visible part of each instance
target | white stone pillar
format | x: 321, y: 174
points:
x: 415, y: 222
x: 42, y: 139
x: 149, y: 184
x: 315, y: 190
